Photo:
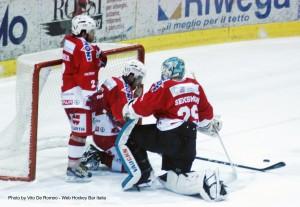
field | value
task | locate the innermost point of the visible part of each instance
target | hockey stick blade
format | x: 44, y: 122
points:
x: 274, y: 166
x: 271, y: 167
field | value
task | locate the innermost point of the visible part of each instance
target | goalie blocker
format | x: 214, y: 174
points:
x: 206, y: 183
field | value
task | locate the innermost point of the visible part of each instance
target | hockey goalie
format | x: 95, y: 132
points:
x: 181, y: 108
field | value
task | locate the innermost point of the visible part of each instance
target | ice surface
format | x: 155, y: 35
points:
x: 254, y: 86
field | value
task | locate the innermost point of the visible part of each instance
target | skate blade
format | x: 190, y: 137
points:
x: 73, y: 179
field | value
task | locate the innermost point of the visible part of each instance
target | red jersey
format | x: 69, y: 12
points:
x: 81, y: 62
x: 172, y: 102
x: 116, y: 94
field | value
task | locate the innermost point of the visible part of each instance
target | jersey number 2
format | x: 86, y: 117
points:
x: 93, y: 84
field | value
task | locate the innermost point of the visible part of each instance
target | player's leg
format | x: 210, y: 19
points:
x: 144, y: 138
x: 179, y: 148
x: 148, y: 138
x: 141, y: 157
x: 178, y: 157
x: 207, y: 184
x: 81, y: 126
x: 112, y: 160
x: 103, y: 152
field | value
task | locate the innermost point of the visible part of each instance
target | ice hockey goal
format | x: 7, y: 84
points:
x: 40, y: 122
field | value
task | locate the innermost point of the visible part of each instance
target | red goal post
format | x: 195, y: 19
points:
x: 117, y: 54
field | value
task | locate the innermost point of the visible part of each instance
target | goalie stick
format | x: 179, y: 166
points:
x: 265, y: 169
x: 234, y: 173
x: 271, y: 167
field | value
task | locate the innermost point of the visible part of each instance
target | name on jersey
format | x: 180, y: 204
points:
x: 87, y: 49
x: 89, y: 73
x: 70, y: 102
x: 184, y: 88
x: 187, y: 99
x: 67, y: 102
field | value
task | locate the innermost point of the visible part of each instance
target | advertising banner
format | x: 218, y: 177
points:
x: 18, y: 31
x: 171, y: 16
x: 33, y: 25
x: 298, y: 9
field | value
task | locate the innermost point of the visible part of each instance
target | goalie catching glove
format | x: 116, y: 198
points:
x: 210, y: 128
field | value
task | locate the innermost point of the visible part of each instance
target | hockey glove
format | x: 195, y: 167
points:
x: 212, y: 128
x: 128, y: 112
x: 103, y: 61
x: 102, y: 57
x: 96, y: 102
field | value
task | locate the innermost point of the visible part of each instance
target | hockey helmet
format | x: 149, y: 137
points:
x: 136, y: 68
x: 173, y: 68
x: 83, y: 22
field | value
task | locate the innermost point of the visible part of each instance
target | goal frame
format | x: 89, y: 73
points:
x: 35, y: 106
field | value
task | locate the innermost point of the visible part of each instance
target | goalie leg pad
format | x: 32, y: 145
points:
x: 131, y: 166
x: 128, y: 160
x: 207, y: 184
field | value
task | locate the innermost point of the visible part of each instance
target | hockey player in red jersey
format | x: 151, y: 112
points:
x: 114, y: 93
x: 81, y: 62
x: 180, y: 107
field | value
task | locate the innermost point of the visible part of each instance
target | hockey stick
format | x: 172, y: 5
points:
x: 223, y: 146
x: 228, y: 157
x: 265, y: 169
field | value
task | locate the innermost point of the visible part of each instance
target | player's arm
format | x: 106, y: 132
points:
x: 205, y: 109
x: 102, y: 100
x: 71, y: 56
x: 146, y: 104
x: 208, y: 124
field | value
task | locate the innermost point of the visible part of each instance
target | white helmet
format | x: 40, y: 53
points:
x: 83, y: 22
x: 136, y: 68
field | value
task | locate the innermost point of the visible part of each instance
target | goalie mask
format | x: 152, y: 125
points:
x: 136, y: 68
x: 83, y: 22
x: 173, y: 68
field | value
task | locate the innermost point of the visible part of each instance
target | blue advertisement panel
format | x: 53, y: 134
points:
x: 185, y: 15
